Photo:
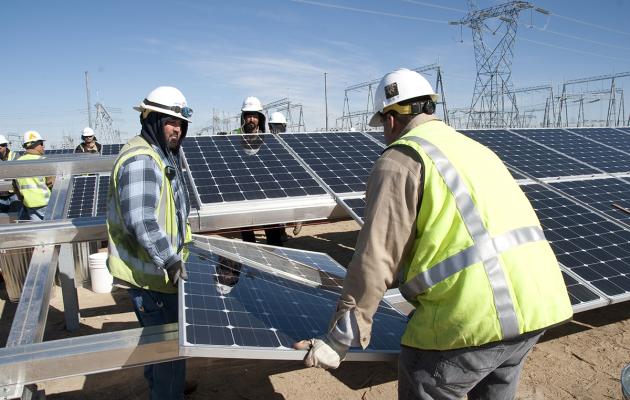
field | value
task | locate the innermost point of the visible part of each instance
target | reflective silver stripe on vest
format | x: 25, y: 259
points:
x: 485, y: 248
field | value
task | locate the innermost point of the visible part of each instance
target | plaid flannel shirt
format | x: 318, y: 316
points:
x: 139, y: 184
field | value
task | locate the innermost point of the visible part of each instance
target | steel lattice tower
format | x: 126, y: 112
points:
x: 493, y: 103
x: 103, y: 126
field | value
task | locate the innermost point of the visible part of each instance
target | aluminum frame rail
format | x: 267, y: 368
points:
x: 69, y: 165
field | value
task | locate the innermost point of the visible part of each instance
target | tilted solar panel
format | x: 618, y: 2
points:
x: 101, y: 202
x: 82, y: 197
x: 343, y: 160
x: 597, y: 155
x: 590, y: 246
x: 246, y: 167
x: 356, y: 206
x: 236, y: 310
x: 111, y: 149
x: 527, y: 156
x: 601, y: 194
x: 608, y: 136
x: 582, y: 298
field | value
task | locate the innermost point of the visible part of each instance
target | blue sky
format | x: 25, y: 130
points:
x: 219, y: 52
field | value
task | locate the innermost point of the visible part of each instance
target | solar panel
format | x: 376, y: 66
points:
x: 58, y: 151
x: 343, y: 160
x: 595, y: 249
x: 601, y: 194
x: 378, y: 136
x: 246, y: 167
x: 239, y: 311
x: 608, y: 136
x: 594, y: 154
x: 625, y: 129
x: 527, y: 156
x: 82, y: 197
x: 582, y: 298
x: 101, y: 200
x: 356, y: 208
x: 111, y: 149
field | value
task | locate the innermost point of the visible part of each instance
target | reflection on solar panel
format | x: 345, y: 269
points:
x: 592, y: 247
x: 608, y: 136
x: 328, y: 274
x: 527, y: 156
x: 239, y: 311
x: 600, y: 194
x: 596, y: 155
x: 581, y: 297
x: 246, y: 167
x: 342, y: 160
x: 82, y: 201
x: 357, y: 208
x: 111, y: 149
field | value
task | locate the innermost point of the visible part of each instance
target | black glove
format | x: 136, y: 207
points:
x: 176, y: 271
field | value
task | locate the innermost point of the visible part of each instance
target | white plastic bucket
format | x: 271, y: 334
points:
x: 99, y: 274
x: 625, y: 382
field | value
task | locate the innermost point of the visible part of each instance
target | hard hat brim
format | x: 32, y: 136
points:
x: 143, y: 107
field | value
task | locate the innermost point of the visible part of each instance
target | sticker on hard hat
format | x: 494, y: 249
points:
x: 32, y: 136
x: 391, y: 90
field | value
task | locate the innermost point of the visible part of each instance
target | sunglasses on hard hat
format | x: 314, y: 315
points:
x: 186, y: 112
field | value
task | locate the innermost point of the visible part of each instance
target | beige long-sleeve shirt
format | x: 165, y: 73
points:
x: 393, y: 196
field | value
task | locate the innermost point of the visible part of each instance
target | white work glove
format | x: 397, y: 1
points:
x: 325, y: 352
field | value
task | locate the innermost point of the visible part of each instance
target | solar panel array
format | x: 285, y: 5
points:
x: 111, y: 149
x: 609, y: 136
x: 234, y: 309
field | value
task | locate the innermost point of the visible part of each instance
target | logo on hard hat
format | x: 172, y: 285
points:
x: 32, y: 136
x: 391, y: 90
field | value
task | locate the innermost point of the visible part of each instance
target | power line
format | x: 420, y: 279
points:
x: 581, y: 39
x: 362, y: 10
x: 605, y: 28
x: 422, y: 3
x: 569, y: 49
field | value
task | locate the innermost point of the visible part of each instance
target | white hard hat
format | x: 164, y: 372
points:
x: 397, y: 86
x: 252, y: 103
x: 277, y: 118
x: 32, y: 136
x: 3, y: 140
x: 224, y: 289
x: 166, y: 100
x: 87, y: 131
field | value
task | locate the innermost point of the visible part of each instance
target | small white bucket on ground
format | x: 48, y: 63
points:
x: 625, y: 382
x: 99, y: 274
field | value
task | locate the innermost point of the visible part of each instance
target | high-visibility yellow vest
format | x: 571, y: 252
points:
x: 35, y: 193
x: 127, y: 259
x: 480, y: 269
x: 11, y: 156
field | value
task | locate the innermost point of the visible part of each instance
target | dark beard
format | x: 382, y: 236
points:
x: 249, y: 128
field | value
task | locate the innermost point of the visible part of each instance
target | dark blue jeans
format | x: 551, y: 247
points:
x: 486, y: 372
x: 166, y: 380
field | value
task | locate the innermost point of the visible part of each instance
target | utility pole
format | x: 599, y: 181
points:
x: 326, y: 99
x: 87, y: 92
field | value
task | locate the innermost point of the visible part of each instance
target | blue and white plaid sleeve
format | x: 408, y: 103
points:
x: 139, y: 182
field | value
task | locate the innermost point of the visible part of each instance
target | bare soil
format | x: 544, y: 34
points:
x: 579, y: 360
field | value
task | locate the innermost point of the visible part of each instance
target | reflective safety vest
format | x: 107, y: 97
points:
x: 11, y: 156
x: 127, y: 259
x: 480, y: 270
x: 35, y: 193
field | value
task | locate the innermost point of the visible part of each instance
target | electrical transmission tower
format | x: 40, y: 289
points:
x: 285, y: 106
x: 103, y: 125
x: 493, y: 103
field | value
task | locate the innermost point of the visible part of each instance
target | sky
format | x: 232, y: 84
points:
x: 219, y: 52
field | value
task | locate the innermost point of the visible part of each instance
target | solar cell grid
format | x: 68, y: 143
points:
x: 608, y: 136
x: 111, y: 149
x: 592, y: 247
x: 342, y: 160
x: 358, y: 208
x: 101, y: 203
x: 624, y: 129
x: 246, y: 167
x: 579, y: 294
x: 380, y: 136
x: 600, y: 194
x: 585, y: 150
x: 82, y: 200
x: 242, y: 309
x: 527, y: 156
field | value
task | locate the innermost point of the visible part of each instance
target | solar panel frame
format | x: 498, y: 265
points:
x: 355, y: 206
x: 261, y: 318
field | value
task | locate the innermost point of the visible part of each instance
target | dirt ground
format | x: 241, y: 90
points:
x: 579, y: 360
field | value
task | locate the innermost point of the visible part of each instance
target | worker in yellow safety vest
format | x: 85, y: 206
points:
x: 9, y: 201
x: 147, y: 223
x: 34, y: 191
x: 446, y: 223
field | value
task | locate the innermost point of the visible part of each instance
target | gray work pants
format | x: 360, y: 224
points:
x: 490, y: 371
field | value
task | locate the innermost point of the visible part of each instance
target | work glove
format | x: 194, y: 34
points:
x: 175, y: 272
x: 324, y: 352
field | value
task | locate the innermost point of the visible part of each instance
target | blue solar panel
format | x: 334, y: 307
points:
x: 357, y: 208
x: 594, y: 154
x: 624, y: 129
x: 343, y: 160
x: 239, y: 311
x: 527, y: 156
x: 111, y: 149
x: 82, y: 197
x: 601, y: 194
x: 101, y: 202
x: 379, y: 136
x: 580, y: 295
x: 590, y: 246
x: 608, y: 136
x: 246, y: 167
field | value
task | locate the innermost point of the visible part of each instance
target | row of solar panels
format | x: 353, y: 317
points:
x: 590, y: 236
